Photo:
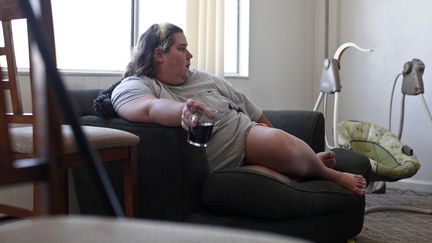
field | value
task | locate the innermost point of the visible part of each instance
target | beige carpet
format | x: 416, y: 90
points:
x: 397, y: 226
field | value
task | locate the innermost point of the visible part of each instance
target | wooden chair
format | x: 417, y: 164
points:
x: 110, y: 144
x: 42, y: 167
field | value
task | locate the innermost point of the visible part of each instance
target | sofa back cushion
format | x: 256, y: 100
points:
x: 304, y: 124
x: 82, y: 101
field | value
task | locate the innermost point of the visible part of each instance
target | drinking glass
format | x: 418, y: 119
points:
x: 200, y: 134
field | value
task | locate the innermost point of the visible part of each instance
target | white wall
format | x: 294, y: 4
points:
x: 397, y: 31
x: 282, y: 52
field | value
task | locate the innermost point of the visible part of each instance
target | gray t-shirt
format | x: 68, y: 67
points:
x: 226, y: 148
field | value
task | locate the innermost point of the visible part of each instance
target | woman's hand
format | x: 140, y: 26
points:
x: 188, y: 119
x: 263, y: 121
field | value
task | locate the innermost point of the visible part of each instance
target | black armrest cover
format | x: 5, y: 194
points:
x: 171, y: 172
x: 245, y: 192
x: 241, y: 191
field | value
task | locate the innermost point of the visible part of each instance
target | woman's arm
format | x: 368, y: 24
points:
x: 162, y: 111
x: 153, y: 110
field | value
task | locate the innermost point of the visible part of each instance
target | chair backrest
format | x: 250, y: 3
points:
x: 9, y: 12
x: 47, y: 153
x: 13, y: 84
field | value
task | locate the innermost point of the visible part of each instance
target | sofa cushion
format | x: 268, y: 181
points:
x: 82, y: 101
x: 306, y: 125
x: 243, y: 191
x: 103, y: 105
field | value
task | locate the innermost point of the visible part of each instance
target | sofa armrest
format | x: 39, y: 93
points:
x: 171, y: 172
x: 241, y: 191
x: 306, y: 125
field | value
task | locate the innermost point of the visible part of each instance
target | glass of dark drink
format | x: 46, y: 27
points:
x: 200, y: 134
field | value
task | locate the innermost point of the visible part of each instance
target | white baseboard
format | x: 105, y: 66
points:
x: 409, y: 184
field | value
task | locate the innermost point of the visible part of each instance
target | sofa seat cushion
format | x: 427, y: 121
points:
x: 242, y: 191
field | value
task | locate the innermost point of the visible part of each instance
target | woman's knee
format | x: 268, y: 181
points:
x: 287, y: 146
x: 272, y: 145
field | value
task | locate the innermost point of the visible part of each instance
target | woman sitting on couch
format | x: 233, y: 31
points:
x: 159, y: 87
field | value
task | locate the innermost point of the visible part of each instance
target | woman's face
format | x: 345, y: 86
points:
x: 173, y: 66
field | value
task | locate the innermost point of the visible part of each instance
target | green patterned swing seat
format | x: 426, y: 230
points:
x: 381, y: 146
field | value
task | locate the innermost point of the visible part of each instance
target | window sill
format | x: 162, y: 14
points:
x: 232, y: 76
x: 109, y: 73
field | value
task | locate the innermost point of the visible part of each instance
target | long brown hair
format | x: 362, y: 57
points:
x: 157, y: 36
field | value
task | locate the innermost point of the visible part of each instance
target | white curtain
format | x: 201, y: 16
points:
x: 205, y: 34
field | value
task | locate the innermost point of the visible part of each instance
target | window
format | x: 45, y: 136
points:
x: 236, y: 56
x: 96, y: 35
x: 19, y: 32
x: 92, y: 35
x: 89, y: 35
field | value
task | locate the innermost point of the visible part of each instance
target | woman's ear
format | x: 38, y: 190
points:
x: 158, y: 55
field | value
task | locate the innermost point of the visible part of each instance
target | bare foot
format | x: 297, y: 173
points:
x: 328, y: 158
x: 354, y: 183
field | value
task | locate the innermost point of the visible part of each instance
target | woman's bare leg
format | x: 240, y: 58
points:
x: 284, y: 153
x: 269, y: 172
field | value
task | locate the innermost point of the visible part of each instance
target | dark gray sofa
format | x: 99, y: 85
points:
x: 174, y: 183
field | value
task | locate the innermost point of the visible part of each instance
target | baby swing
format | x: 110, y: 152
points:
x: 390, y: 159
x: 330, y: 83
